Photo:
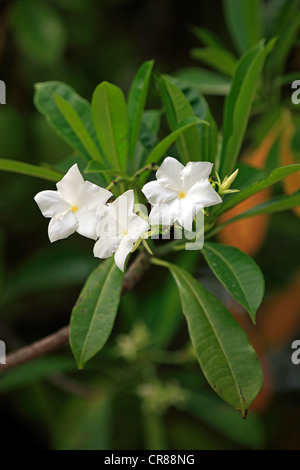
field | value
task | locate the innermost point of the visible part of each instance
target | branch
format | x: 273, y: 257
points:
x: 60, y: 338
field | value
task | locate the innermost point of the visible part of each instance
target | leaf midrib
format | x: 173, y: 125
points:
x: 94, y: 314
x: 219, y: 342
x: 231, y: 269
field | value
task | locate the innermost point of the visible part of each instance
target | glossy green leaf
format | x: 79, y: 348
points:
x: 268, y: 179
x: 238, y: 273
x: 109, y: 110
x: 44, y: 100
x: 94, y: 313
x: 30, y: 170
x: 277, y: 204
x: 178, y: 109
x: 224, y: 352
x: 75, y: 121
x: 244, y: 21
x: 208, y: 134
x: 238, y: 104
x: 136, y: 103
x: 165, y: 143
x: 219, y: 59
x: 205, y: 81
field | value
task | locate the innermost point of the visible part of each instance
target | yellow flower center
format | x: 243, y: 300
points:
x: 74, y: 208
x: 124, y: 233
x: 182, y: 195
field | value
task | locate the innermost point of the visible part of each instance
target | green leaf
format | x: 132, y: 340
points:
x: 238, y: 104
x: 178, y: 109
x: 44, y: 100
x: 164, y: 144
x: 284, y: 20
x: 204, y: 81
x: 30, y: 170
x: 75, y: 121
x: 208, y: 134
x: 39, y: 31
x: 277, y: 204
x: 217, y: 58
x: 268, y: 179
x: 94, y: 313
x: 207, y: 37
x: 244, y: 21
x: 238, y: 273
x: 136, y: 103
x: 109, y: 110
x: 224, y: 352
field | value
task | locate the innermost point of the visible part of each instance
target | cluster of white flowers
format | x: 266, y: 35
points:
x: 80, y: 206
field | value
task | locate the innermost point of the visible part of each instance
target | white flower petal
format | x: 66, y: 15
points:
x: 92, y: 196
x: 51, y: 204
x: 136, y: 227
x: 70, y: 186
x: 169, y: 174
x: 106, y: 247
x: 194, y: 172
x: 164, y: 214
x: 123, y: 250
x: 158, y: 194
x: 87, y: 223
x: 62, y: 227
x: 123, y: 206
x: 187, y: 213
x: 202, y: 193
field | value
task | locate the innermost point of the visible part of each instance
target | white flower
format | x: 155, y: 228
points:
x: 119, y: 228
x: 74, y: 207
x: 180, y: 192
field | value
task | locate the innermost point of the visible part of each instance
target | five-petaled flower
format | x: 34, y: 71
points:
x: 180, y: 192
x: 119, y: 228
x: 74, y: 207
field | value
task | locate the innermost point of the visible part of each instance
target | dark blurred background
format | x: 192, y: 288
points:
x: 108, y: 40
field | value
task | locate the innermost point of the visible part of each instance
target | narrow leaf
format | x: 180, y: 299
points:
x: 238, y: 104
x: 224, y: 352
x: 177, y: 109
x: 244, y: 20
x: 44, y: 101
x: 238, y: 273
x: 31, y: 170
x: 136, y: 103
x: 204, y: 81
x: 94, y: 313
x: 219, y: 59
x: 75, y: 121
x: 109, y: 110
x: 267, y: 180
x: 164, y: 144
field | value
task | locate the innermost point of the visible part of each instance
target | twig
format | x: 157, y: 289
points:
x: 60, y: 338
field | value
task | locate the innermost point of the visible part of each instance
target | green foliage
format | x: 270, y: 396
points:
x: 239, y: 274
x: 231, y: 367
x: 238, y: 104
x: 94, y: 313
